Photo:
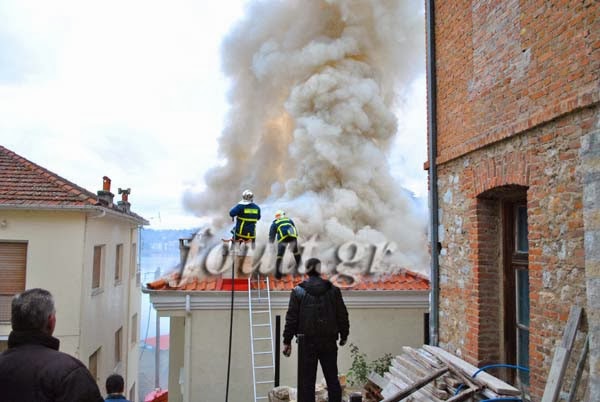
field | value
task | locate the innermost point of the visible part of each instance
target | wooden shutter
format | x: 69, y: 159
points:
x: 13, y: 262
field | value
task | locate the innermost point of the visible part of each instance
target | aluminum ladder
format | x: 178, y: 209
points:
x: 261, y: 336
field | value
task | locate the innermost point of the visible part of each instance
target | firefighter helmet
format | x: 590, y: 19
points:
x: 279, y: 214
x: 247, y: 195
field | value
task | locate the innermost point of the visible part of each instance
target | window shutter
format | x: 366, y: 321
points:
x: 13, y: 262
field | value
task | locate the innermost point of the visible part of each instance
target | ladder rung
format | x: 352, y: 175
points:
x: 261, y: 397
x: 265, y: 382
x: 263, y: 367
x: 262, y: 353
x: 263, y: 339
x: 261, y: 325
x: 260, y: 311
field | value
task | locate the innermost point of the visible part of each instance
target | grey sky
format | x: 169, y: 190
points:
x: 133, y: 90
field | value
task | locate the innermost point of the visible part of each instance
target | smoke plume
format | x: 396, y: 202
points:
x: 314, y: 86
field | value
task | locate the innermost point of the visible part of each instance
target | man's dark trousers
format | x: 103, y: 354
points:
x: 323, y: 351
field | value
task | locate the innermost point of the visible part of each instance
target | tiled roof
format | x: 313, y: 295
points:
x: 26, y: 184
x: 402, y: 280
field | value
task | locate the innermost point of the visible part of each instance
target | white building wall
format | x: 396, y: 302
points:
x: 60, y: 259
x: 54, y: 262
x: 376, y: 330
x: 110, y: 307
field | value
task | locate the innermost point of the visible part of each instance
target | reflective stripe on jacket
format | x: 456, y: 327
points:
x: 282, y: 228
x: 246, y: 217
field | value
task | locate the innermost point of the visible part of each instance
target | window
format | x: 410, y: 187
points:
x: 133, y: 261
x: 93, y: 363
x: 516, y: 298
x: 134, y: 325
x: 13, y: 262
x: 97, y: 268
x: 118, y: 345
x: 520, y: 264
x: 118, y: 263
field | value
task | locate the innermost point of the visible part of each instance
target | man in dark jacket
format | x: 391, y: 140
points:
x: 284, y: 230
x: 32, y: 369
x: 317, y: 310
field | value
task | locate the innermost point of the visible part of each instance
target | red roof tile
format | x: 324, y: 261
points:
x: 402, y: 280
x: 26, y: 184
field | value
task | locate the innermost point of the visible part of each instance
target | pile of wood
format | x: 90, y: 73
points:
x: 430, y: 374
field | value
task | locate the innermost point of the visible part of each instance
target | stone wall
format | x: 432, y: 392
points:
x: 590, y: 155
x: 543, y: 164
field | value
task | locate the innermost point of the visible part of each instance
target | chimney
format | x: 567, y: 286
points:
x: 124, y: 203
x: 105, y: 196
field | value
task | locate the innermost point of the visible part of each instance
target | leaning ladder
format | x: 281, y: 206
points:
x: 261, y: 336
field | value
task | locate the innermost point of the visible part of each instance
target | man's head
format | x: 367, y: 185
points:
x: 33, y: 310
x: 115, y: 384
x: 313, y: 267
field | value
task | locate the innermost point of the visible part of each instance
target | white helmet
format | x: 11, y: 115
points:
x: 279, y: 214
x: 247, y: 195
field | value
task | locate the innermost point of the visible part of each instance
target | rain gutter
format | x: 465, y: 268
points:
x: 433, y: 179
x: 87, y: 208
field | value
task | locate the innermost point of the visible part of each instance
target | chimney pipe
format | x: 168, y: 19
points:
x: 106, y: 184
x: 105, y: 197
x: 124, y: 203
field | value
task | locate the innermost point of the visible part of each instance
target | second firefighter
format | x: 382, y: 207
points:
x: 284, y: 231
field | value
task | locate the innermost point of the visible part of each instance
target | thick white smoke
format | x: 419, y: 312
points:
x: 314, y: 88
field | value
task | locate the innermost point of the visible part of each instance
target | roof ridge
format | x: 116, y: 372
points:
x: 56, y: 179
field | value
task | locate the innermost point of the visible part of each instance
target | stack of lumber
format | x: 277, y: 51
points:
x: 430, y: 374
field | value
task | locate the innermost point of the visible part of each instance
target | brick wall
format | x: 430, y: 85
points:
x: 544, y: 165
x: 504, y: 67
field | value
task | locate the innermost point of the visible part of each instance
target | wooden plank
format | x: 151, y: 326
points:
x: 579, y: 370
x: 415, y: 372
x: 495, y: 384
x: 561, y: 357
x: 378, y: 380
x: 391, y: 388
x: 419, y: 384
x: 422, y: 358
x: 420, y: 394
x: 464, y: 395
x: 411, y: 376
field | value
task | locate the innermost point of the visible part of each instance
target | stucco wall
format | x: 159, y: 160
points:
x: 54, y: 265
x: 110, y: 307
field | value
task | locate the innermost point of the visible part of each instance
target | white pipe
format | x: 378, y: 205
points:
x: 157, y: 353
x: 187, y: 355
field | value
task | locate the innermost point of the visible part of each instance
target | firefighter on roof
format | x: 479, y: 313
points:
x: 284, y: 230
x: 246, y: 214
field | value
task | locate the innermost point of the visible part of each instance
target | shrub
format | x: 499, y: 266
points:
x: 360, y: 368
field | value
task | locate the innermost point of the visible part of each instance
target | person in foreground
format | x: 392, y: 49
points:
x: 317, y: 310
x: 115, y: 385
x: 32, y: 369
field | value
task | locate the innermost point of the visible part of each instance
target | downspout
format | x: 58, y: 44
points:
x: 187, y: 356
x: 433, y: 179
